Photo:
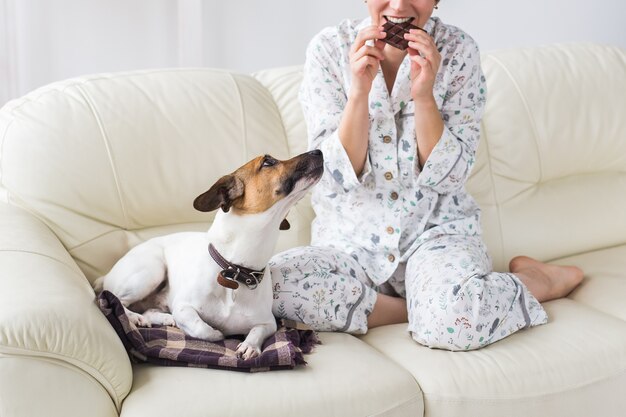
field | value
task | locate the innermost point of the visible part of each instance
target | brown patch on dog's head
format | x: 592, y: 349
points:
x: 261, y: 183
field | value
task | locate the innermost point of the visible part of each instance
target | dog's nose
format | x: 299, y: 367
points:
x: 316, y: 152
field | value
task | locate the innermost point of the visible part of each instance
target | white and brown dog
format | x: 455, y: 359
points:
x: 174, y: 280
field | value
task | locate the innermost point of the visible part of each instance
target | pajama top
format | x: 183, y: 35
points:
x: 384, y: 214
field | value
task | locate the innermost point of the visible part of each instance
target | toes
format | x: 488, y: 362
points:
x: 139, y: 321
x: 245, y: 352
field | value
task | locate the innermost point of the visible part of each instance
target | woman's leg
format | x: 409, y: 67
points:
x: 322, y: 287
x: 456, y: 302
x: 388, y: 310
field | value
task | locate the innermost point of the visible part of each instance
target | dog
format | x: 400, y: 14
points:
x: 226, y: 290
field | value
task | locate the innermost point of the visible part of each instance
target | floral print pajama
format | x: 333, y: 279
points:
x: 399, y: 228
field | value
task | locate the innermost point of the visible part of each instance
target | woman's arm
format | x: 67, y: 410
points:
x: 428, y: 123
x: 364, y: 63
x: 447, y: 141
x: 338, y: 120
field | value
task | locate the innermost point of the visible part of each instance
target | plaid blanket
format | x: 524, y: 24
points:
x: 165, y: 345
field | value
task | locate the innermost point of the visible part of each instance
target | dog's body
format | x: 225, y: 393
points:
x: 171, y: 280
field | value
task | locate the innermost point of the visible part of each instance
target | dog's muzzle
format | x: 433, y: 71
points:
x: 232, y: 274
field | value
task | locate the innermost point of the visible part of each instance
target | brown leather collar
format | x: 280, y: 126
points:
x: 232, y: 274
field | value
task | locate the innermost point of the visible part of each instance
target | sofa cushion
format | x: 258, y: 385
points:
x: 573, y: 366
x: 604, y: 286
x: 345, y: 377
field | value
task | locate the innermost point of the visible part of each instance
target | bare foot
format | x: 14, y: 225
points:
x: 544, y: 281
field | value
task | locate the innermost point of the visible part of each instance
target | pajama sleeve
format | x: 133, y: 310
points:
x: 449, y: 164
x: 323, y: 98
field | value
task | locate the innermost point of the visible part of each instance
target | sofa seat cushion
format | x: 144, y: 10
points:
x: 573, y: 366
x: 344, y: 377
x: 604, y: 286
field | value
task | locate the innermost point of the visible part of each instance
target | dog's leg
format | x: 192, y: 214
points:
x: 158, y: 317
x: 137, y: 319
x: 134, y: 277
x: 187, y: 319
x: 251, y: 347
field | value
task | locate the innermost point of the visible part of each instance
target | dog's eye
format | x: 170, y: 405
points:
x: 268, y: 162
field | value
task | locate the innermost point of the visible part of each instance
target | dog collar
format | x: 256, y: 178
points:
x: 232, y: 275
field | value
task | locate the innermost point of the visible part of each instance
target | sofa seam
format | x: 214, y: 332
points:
x: 107, y: 146
x: 129, y: 230
x: 244, y: 129
x: 528, y: 112
x: 66, y: 365
x: 31, y: 353
x: 4, y: 138
x: 280, y: 114
x: 414, y: 399
x: 42, y: 255
x: 540, y: 397
x: 495, y: 192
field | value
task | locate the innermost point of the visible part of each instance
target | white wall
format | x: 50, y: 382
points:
x: 47, y: 40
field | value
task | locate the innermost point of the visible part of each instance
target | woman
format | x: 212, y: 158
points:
x: 396, y: 237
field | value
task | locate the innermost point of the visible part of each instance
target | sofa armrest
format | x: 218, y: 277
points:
x: 48, y: 310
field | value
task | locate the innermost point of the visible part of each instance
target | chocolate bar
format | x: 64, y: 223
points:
x: 395, y: 34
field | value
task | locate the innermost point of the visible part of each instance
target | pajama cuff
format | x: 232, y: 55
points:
x: 356, y: 323
x: 533, y: 311
x: 444, y: 167
x: 338, y: 166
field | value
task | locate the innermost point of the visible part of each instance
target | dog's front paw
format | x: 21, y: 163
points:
x: 138, y: 319
x: 246, y: 351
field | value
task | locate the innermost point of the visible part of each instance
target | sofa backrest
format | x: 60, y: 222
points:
x: 110, y: 160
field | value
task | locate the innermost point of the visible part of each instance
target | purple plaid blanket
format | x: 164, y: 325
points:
x: 165, y: 345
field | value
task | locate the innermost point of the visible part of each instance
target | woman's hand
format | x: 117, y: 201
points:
x: 365, y: 59
x: 423, y: 68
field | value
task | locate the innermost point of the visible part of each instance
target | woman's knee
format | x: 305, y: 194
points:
x: 449, y: 319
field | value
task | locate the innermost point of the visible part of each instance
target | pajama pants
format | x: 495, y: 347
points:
x: 454, y: 299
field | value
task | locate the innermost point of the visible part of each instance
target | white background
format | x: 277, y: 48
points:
x: 47, y: 40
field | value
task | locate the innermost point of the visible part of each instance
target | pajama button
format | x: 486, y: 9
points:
x: 390, y: 230
x: 391, y: 258
x: 387, y: 139
x: 388, y: 176
x: 394, y: 196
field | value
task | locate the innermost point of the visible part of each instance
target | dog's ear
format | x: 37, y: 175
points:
x: 222, y: 194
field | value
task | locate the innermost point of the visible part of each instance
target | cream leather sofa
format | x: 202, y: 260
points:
x: 92, y: 166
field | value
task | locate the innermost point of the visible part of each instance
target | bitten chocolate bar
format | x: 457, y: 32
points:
x: 395, y: 34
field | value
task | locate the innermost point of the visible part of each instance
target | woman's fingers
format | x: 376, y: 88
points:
x: 423, y: 43
x: 373, y: 33
x: 366, y: 50
x: 366, y: 62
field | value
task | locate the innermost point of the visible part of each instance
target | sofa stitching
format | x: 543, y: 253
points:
x: 129, y: 230
x: 244, y: 130
x: 107, y: 146
x: 413, y: 400
x: 280, y: 114
x: 67, y: 365
x: 539, y: 397
x: 4, y: 137
x: 41, y: 254
x: 90, y: 369
x: 495, y: 192
x: 528, y: 112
